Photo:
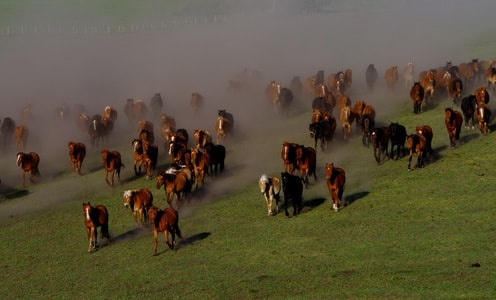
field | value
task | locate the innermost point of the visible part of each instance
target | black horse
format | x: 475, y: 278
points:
x: 285, y: 100
x: 380, y: 139
x: 217, y: 154
x: 469, y: 105
x: 156, y: 103
x: 397, y: 136
x: 292, y: 186
x: 371, y: 76
x: 7, y: 130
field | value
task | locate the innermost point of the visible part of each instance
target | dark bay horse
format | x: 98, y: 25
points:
x: 217, y: 154
x: 397, y: 136
x: 288, y: 156
x: 139, y: 201
x: 112, y: 164
x: 380, y: 140
x: 156, y: 104
x: 335, y: 179
x: 270, y: 187
x: 306, y: 160
x: 292, y: 187
x: 371, y: 76
x: 323, y: 131
x: 77, y: 153
x: 417, y: 96
x: 166, y: 221
x: 176, y: 183
x: 29, y: 164
x: 468, y: 106
x: 94, y: 217
x: 7, y: 129
x: 453, y: 120
x: 426, y: 131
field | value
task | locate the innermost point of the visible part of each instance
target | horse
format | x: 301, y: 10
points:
x: 98, y: 130
x: 483, y: 115
x: 481, y: 95
x: 109, y: 115
x: 367, y: 123
x: 167, y: 126
x: 468, y: 106
x: 77, y: 153
x: 321, y: 104
x: 288, y: 156
x: 166, y: 221
x: 29, y: 164
x: 408, y: 71
x: 416, y: 144
x: 201, y: 165
x: 284, y: 102
x: 336, y: 82
x: 348, y: 78
x: 145, y: 131
x: 391, y: 77
x: 456, y: 89
x: 141, y: 158
x: 362, y: 108
x: 346, y: 119
x: 426, y: 132
x: 62, y: 112
x: 175, y: 182
x: 453, y: 120
x: 292, y: 187
x: 112, y: 164
x: 152, y: 152
x: 428, y: 82
x: 217, y: 154
x: 397, y: 136
x: 417, y: 96
x: 177, y: 149
x: 135, y: 109
x: 21, y: 134
x: 371, y: 76
x: 222, y: 129
x: 490, y: 75
x: 140, y: 202
x: 270, y: 187
x: 7, y: 129
x: 469, y: 70
x: 335, y: 179
x: 94, y: 217
x: 380, y: 140
x: 323, y: 130
x: 197, y: 101
x: 306, y: 160
x: 156, y: 104
x: 201, y: 137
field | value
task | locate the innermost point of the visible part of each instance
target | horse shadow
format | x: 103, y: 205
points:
x: 130, y: 234
x: 188, y: 241
x: 349, y: 199
x: 9, y: 193
x: 312, y: 203
x: 472, y: 136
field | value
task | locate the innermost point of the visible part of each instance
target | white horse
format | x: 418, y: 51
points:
x: 270, y: 188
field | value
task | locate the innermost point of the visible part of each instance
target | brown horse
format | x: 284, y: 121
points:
x: 335, y: 179
x: 427, y: 80
x: 135, y: 109
x: 77, y: 152
x: 145, y: 131
x: 21, y: 134
x: 141, y: 159
x: 175, y: 182
x: 167, y: 126
x: 416, y: 144
x: 288, y: 156
x: 306, y: 160
x: 391, y: 77
x: 112, y: 164
x: 483, y: 115
x: 139, y: 201
x: 270, y: 187
x: 29, y: 164
x: 177, y: 149
x: 346, y: 119
x: 201, y: 165
x: 95, y: 216
x: 197, y: 101
x: 166, y: 221
x: 417, y: 96
x: 426, y: 131
x: 481, y: 95
x: 222, y: 129
x: 490, y: 75
x: 453, y: 120
x: 380, y: 141
x: 202, y: 137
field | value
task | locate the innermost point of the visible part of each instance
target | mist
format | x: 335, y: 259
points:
x: 281, y: 40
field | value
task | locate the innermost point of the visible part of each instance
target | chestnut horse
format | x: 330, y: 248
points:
x: 427, y: 80
x: 391, y: 77
x: 270, y: 187
x: 426, y: 131
x: 29, y: 164
x: 21, y: 134
x: 141, y: 158
x: 197, y: 101
x: 139, y: 201
x: 453, y: 120
x: 346, y: 119
x: 112, y: 164
x: 288, y: 156
x: 202, y: 137
x: 135, y: 109
x: 222, y: 129
x: 335, y: 179
x: 166, y: 221
x: 95, y: 216
x: 77, y: 152
x: 483, y: 115
x: 416, y: 144
x: 175, y: 182
x: 201, y: 165
x: 481, y: 95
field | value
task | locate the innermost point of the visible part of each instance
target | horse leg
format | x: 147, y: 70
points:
x: 286, y: 200
x: 268, y: 201
x: 166, y: 234
x: 89, y: 232
x: 155, y: 241
x: 410, y: 161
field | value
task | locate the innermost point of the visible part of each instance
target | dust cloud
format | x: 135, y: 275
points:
x: 280, y: 41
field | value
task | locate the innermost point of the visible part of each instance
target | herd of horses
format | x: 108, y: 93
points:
x: 331, y: 106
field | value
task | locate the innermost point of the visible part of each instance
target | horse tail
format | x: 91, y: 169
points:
x: 105, y: 231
